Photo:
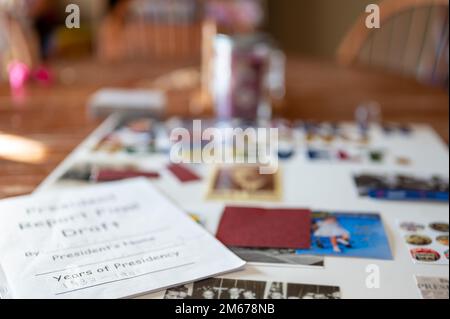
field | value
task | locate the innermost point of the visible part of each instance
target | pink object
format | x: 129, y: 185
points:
x: 19, y: 73
x: 43, y: 75
x: 343, y: 155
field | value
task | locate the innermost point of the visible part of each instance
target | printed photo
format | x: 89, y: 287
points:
x: 229, y: 289
x: 425, y: 255
x: 276, y: 290
x: 181, y: 292
x: 360, y: 235
x: 369, y: 182
x: 217, y: 288
x: 312, y: 292
x: 243, y: 182
x: 92, y: 173
x: 440, y: 227
x: 206, y: 289
x: 418, y: 240
x: 279, y: 290
x: 432, y: 287
x: 242, y: 289
x: 277, y: 257
x: 426, y: 244
x: 412, y: 227
x: 131, y: 136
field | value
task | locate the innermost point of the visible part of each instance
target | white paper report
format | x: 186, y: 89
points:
x: 113, y: 240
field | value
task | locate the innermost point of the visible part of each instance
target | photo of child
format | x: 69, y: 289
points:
x: 330, y: 228
x: 359, y: 235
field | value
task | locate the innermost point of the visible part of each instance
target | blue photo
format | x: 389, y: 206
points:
x: 348, y: 235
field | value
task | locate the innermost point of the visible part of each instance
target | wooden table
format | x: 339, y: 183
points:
x: 55, y: 117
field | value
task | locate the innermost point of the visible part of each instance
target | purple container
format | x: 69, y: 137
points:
x: 240, y: 68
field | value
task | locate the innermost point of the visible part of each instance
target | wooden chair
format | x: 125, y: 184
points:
x: 151, y: 29
x: 412, y: 40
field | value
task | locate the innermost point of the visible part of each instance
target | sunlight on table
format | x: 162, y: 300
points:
x: 19, y: 149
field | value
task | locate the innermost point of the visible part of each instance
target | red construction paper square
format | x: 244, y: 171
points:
x: 184, y: 174
x: 265, y: 228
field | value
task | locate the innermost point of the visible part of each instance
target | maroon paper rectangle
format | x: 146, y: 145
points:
x: 183, y: 174
x: 265, y: 228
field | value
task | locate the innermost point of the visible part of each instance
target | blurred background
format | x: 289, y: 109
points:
x: 308, y: 27
x: 320, y: 24
x: 313, y: 28
x: 324, y: 64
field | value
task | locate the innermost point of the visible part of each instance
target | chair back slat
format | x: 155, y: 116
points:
x: 155, y: 29
x: 431, y: 44
x: 440, y: 68
x: 365, y: 54
x: 440, y: 72
x: 381, y: 44
x: 417, y: 33
x: 401, y: 27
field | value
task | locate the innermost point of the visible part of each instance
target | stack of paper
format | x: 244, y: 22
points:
x: 116, y: 240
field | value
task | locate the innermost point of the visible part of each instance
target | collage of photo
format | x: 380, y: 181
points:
x: 218, y: 288
x: 225, y: 150
x: 292, y: 238
x: 426, y: 240
x: 403, y: 187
